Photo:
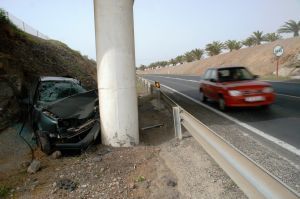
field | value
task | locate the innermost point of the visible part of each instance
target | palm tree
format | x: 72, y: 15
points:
x: 233, y: 45
x: 258, y: 37
x: 173, y: 62
x: 188, y: 57
x: 214, y: 48
x: 270, y: 37
x: 197, y: 53
x: 179, y: 59
x: 248, y: 42
x: 142, y: 67
x: 290, y: 26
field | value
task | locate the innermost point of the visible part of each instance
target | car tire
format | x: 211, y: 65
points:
x: 44, y: 142
x: 203, y: 98
x: 266, y: 107
x: 98, y: 139
x: 222, y: 104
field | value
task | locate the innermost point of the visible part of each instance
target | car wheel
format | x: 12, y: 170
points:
x: 203, y: 98
x: 44, y: 142
x: 222, y: 105
x: 98, y: 139
x: 266, y: 107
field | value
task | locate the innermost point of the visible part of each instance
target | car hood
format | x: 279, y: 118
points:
x: 245, y: 84
x: 77, y: 106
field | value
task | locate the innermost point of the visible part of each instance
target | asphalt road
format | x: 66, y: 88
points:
x: 281, y: 120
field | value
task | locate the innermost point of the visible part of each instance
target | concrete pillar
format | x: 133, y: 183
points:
x: 116, y: 72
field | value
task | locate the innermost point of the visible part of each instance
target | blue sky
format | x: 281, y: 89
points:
x: 163, y: 28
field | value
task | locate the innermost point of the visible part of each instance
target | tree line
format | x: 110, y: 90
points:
x: 216, y: 47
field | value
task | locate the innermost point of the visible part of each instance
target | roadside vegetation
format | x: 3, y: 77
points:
x: 4, y: 191
x: 218, y: 47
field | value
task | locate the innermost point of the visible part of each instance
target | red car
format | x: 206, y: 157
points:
x: 235, y: 87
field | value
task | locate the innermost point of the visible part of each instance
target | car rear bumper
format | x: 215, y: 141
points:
x: 240, y: 101
x: 85, y: 142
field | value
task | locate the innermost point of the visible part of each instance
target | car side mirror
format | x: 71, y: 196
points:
x: 213, y: 80
x: 256, y: 76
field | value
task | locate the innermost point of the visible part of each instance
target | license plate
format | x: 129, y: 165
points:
x: 255, y: 99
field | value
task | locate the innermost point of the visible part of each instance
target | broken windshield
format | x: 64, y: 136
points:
x: 51, y: 91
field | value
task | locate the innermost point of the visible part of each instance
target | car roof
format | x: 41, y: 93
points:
x: 225, y: 67
x: 54, y: 78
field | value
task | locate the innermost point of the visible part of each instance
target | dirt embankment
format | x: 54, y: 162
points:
x: 23, y: 56
x: 259, y: 59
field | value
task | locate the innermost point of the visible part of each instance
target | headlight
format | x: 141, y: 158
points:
x: 268, y: 90
x: 235, y: 93
x: 65, y: 123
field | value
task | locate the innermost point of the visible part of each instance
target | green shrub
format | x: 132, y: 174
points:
x: 4, y: 191
x: 3, y: 16
x: 4, y: 20
x: 140, y: 179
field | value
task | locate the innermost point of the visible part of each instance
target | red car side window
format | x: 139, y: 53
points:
x: 213, y: 75
x: 207, y: 74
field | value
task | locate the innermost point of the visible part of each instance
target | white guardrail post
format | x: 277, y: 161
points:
x: 177, y: 122
x: 149, y: 88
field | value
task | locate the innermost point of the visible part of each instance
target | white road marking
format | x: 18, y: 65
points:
x: 188, y: 80
x: 288, y: 95
x: 247, y: 126
x: 297, y: 97
x: 284, y: 82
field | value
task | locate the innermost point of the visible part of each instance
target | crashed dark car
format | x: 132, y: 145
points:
x: 63, y: 114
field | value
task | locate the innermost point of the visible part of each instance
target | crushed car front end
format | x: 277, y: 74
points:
x: 70, y: 122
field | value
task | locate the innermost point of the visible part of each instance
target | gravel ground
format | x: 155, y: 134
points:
x: 198, y: 175
x: 102, y: 172
x: 14, y: 153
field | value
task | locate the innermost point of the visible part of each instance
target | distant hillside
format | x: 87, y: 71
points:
x: 23, y: 56
x: 259, y: 59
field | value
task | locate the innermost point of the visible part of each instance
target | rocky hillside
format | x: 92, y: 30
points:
x: 23, y: 56
x: 259, y: 59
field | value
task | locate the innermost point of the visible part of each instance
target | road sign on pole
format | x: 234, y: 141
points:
x: 278, y: 52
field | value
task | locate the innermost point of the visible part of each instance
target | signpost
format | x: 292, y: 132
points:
x: 157, y: 86
x: 278, y: 52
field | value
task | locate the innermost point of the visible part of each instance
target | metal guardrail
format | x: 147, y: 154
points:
x: 255, y: 181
